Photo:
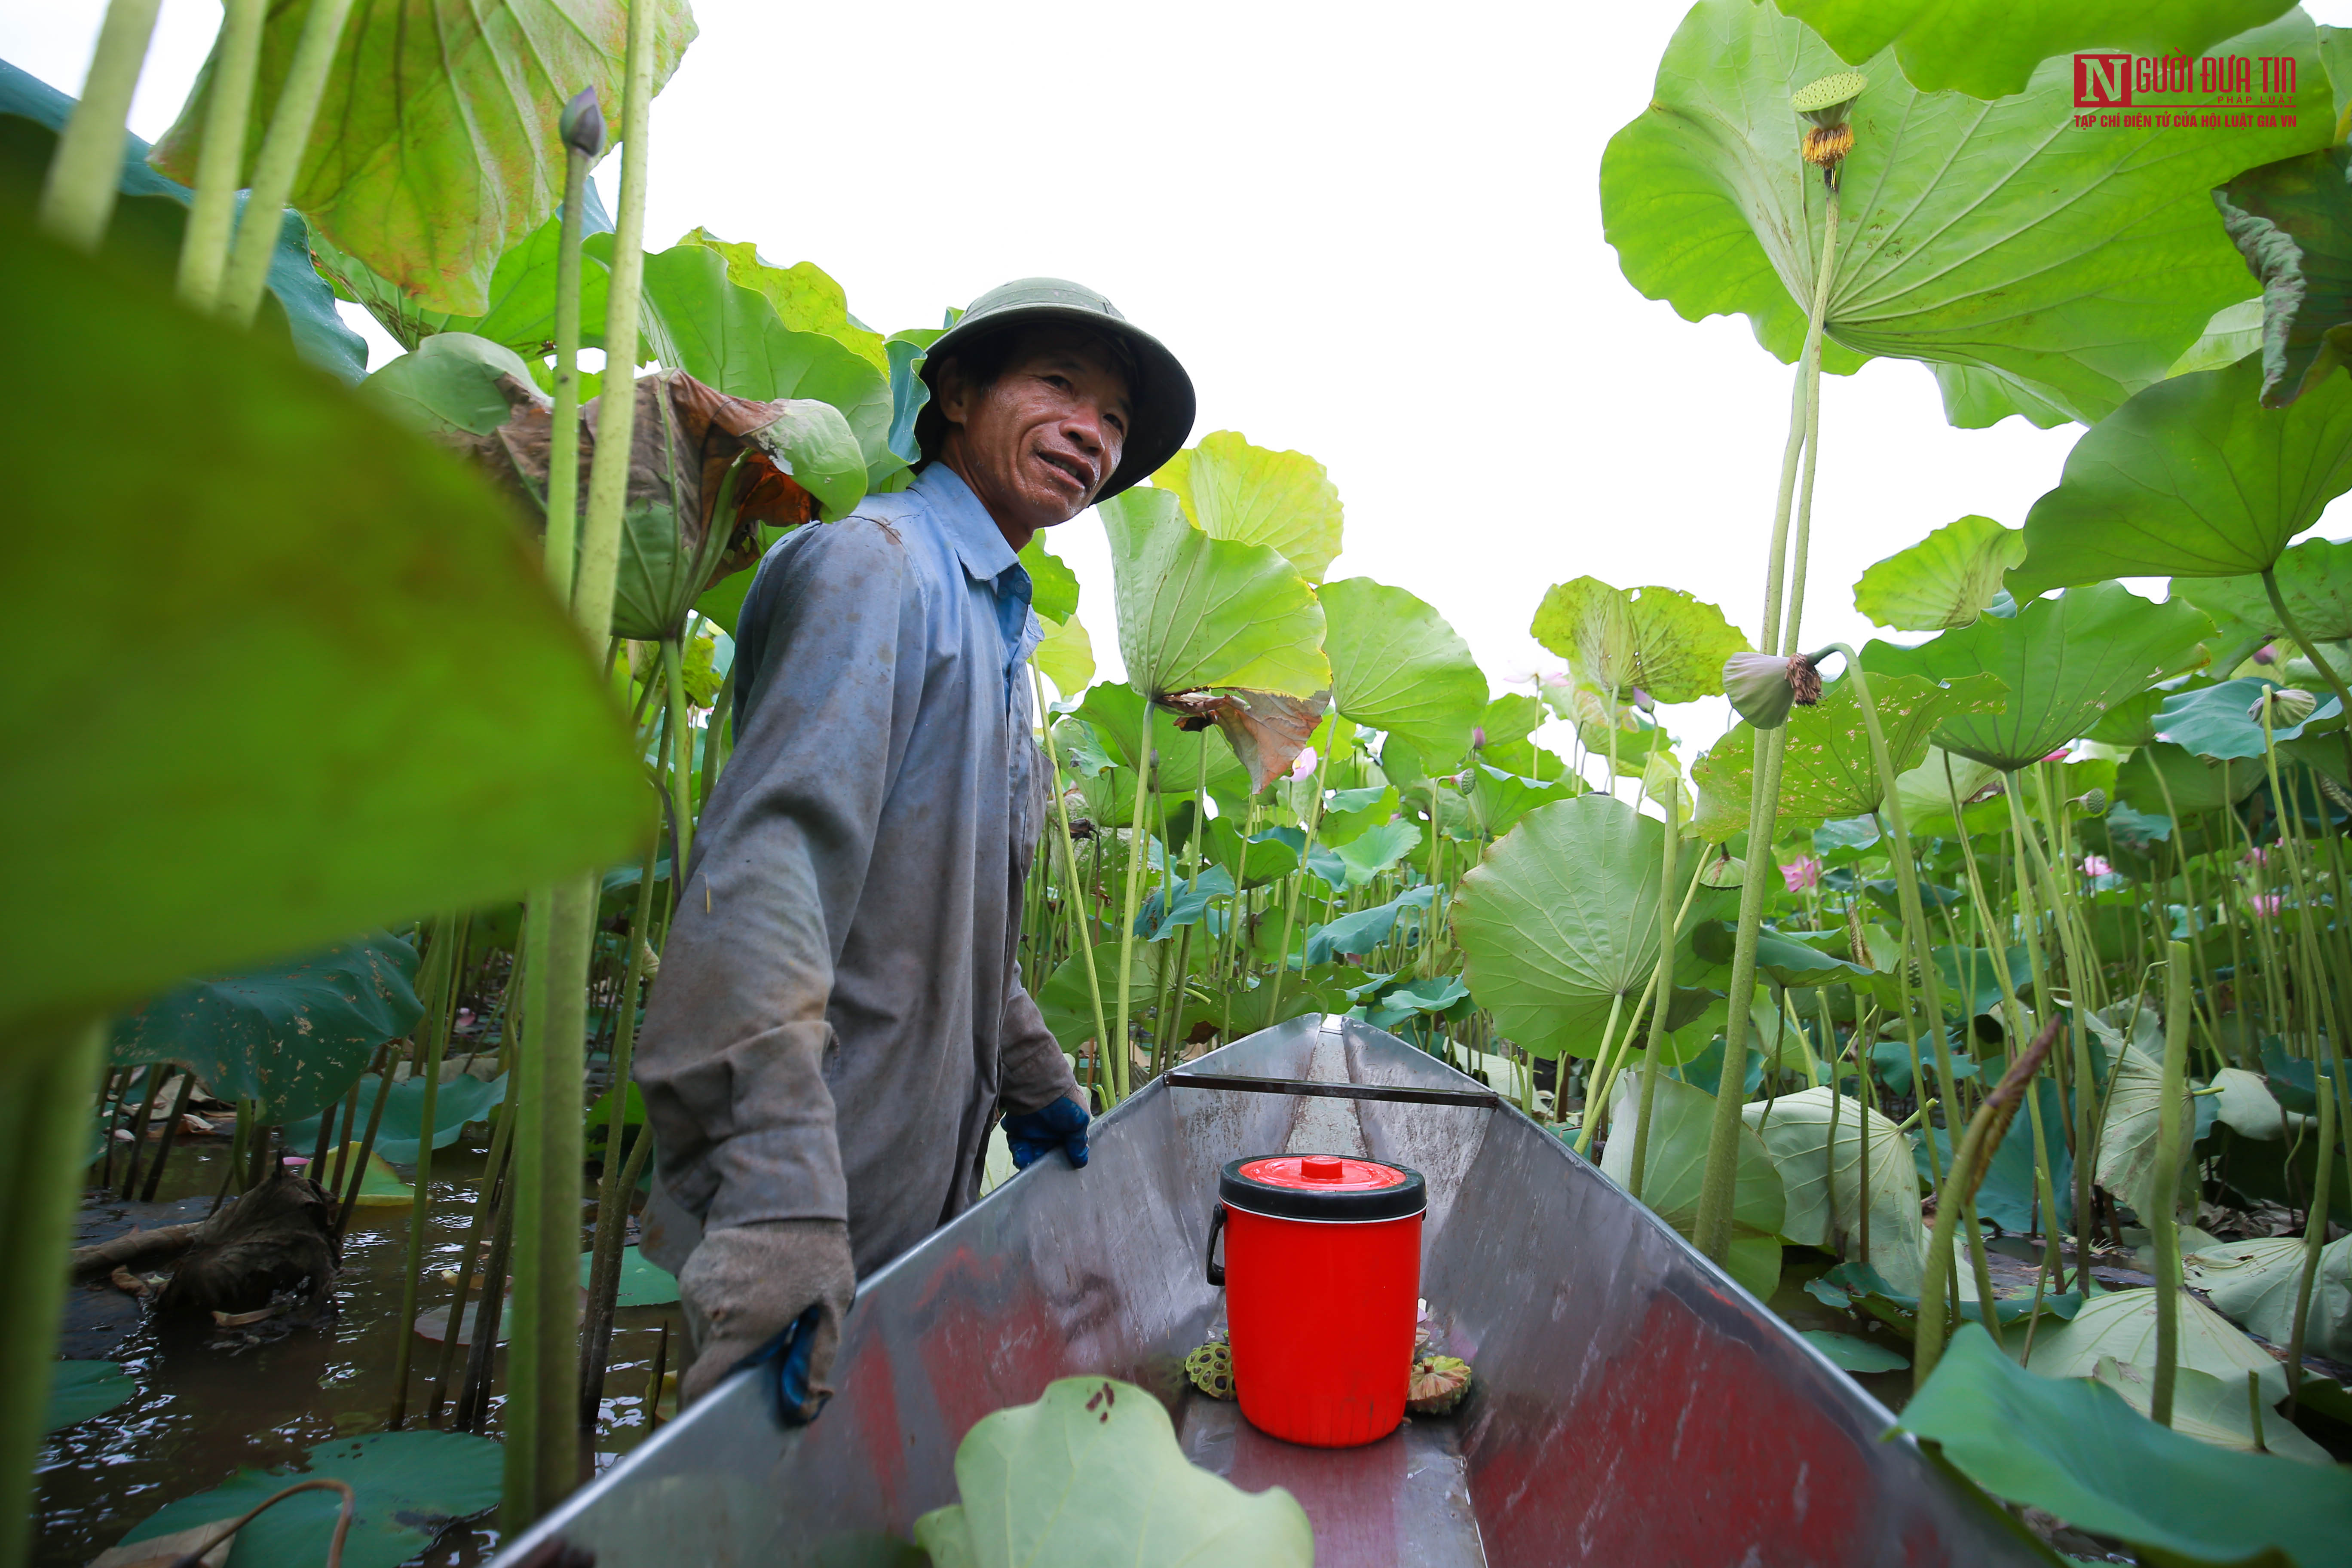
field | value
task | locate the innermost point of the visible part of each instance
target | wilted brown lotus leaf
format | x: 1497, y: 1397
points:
x: 1267, y: 730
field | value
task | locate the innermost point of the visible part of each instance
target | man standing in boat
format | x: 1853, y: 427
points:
x: 840, y: 1016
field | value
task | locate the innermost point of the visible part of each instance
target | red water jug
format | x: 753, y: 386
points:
x: 1322, y: 1276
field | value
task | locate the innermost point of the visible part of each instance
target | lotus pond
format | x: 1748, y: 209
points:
x: 1977, y: 996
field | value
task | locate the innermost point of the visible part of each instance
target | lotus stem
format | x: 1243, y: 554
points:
x: 2165, y: 1190
x: 86, y: 171
x: 613, y: 1189
x: 441, y: 980
x: 494, y: 1169
x: 220, y: 162
x: 1298, y: 880
x: 1070, y: 863
x: 358, y: 1164
x: 682, y: 775
x: 2310, y: 650
x: 2314, y: 1238
x: 281, y: 160
x: 563, y: 434
x: 2089, y: 1106
x: 1711, y: 1230
x: 1138, y: 852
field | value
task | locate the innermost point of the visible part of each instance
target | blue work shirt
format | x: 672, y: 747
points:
x: 840, y: 1013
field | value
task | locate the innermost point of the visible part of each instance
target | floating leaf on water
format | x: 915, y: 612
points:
x: 1112, y: 1443
x: 2123, y: 1325
x: 644, y: 1283
x: 462, y: 1100
x: 2254, y: 1284
x: 81, y: 1389
x: 1849, y: 1353
x: 1795, y: 1131
x: 2209, y: 1410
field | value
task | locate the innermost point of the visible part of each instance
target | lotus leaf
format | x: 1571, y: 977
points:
x: 2066, y: 662
x: 1848, y: 1354
x: 1347, y: 813
x: 2051, y: 273
x: 1795, y: 1131
x: 293, y: 1036
x: 1497, y: 800
x: 1111, y: 1445
x: 1970, y: 977
x: 437, y: 146
x: 2294, y: 1081
x: 1162, y: 914
x: 2008, y: 1196
x: 805, y: 297
x: 1944, y: 580
x: 2158, y: 778
x: 2314, y: 577
x: 455, y: 383
x: 1826, y: 769
x: 2254, y: 1283
x: 2232, y: 334
x: 299, y: 300
x: 2135, y: 1102
x: 1928, y: 790
x: 1068, y: 1005
x: 81, y: 1389
x: 2123, y: 1325
x: 2193, y: 476
x: 1790, y: 963
x: 1560, y: 919
x: 2209, y: 1410
x: 1065, y: 655
x: 1986, y: 49
x: 380, y: 1185
x: 729, y: 338
x: 1375, y: 850
x: 2292, y: 220
x: 1680, y: 1116
x: 1114, y: 716
x: 1512, y: 717
x: 1052, y: 587
x: 2245, y: 1106
x: 1657, y: 640
x: 1367, y: 929
x: 411, y: 1486
x: 460, y: 1101
x: 2078, y: 1450
x: 1262, y: 860
x: 2213, y: 722
x: 1231, y: 489
x: 1397, y: 666
x: 642, y: 1283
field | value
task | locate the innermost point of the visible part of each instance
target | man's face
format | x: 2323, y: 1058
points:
x: 1038, y: 443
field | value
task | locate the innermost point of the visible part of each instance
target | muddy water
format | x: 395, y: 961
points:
x: 212, y: 1402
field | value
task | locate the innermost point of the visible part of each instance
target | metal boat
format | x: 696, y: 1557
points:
x: 1634, y: 1404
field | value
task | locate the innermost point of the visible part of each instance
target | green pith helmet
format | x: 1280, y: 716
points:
x: 1162, y: 404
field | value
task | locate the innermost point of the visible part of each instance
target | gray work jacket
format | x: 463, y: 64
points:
x: 840, y: 1013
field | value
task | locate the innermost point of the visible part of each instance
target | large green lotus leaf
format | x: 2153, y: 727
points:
x: 1092, y: 1474
x: 298, y: 302
x: 730, y: 337
x: 1066, y: 999
x: 1658, y: 640
x: 320, y: 561
x: 2292, y: 220
x: 1985, y: 235
x: 1114, y: 715
x: 450, y: 384
x: 2254, y: 1283
x: 1198, y: 611
x: 2211, y: 1411
x: 2161, y: 780
x: 2236, y: 331
x: 81, y: 1389
x: 2314, y: 577
x: 1231, y: 489
x: 437, y: 146
x: 293, y: 1036
x: 2065, y: 660
x: 1680, y: 1117
x: 805, y: 297
x: 410, y: 1486
x: 2216, y: 721
x: 1926, y: 791
x: 463, y: 1100
x: 2193, y: 478
x: 1513, y: 716
x: 1988, y: 48
x: 1561, y: 919
x: 2123, y: 1325
x: 1795, y: 1131
x: 1944, y: 580
x: 2075, y: 1448
x: 1497, y: 800
x: 1065, y: 656
x: 1397, y: 666
x: 1052, y: 587
x: 1826, y: 771
x: 2127, y: 1164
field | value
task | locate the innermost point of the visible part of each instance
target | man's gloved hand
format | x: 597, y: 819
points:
x: 749, y: 1282
x: 1035, y: 1133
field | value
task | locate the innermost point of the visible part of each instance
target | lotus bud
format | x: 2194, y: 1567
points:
x: 2288, y: 707
x: 2266, y: 654
x: 1764, y: 685
x: 1477, y: 737
x: 582, y: 125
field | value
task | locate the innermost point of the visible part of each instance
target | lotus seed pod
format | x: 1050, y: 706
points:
x: 1723, y: 871
x: 1211, y: 1368
x: 2288, y: 707
x: 2093, y: 802
x: 1758, y: 687
x: 1440, y: 1382
x: 1824, y: 102
x: 582, y: 125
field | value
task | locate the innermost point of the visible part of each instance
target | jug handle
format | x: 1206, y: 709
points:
x: 1216, y: 1270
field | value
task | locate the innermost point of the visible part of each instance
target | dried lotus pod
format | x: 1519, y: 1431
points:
x: 1440, y: 1383
x: 1211, y: 1368
x: 1764, y: 685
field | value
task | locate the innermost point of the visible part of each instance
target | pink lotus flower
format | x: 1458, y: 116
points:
x: 2097, y: 866
x: 1302, y: 767
x: 1802, y: 873
x: 2057, y: 756
x: 2267, y: 904
x: 2260, y: 855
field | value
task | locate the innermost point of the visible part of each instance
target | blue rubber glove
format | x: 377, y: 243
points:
x: 1033, y: 1134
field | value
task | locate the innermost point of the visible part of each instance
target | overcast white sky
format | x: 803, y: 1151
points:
x: 1372, y: 233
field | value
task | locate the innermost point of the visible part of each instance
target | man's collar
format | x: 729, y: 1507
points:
x: 979, y: 543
